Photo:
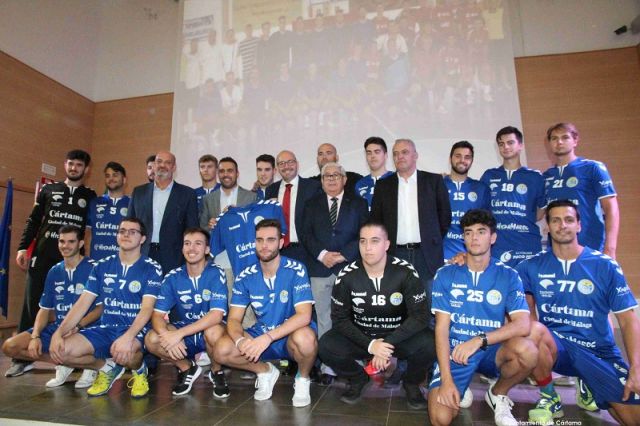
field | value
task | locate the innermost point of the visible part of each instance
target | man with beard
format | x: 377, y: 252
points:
x: 279, y: 292
x: 151, y: 162
x: 107, y: 211
x: 464, y: 194
x: 208, y: 167
x: 58, y: 204
x: 166, y: 208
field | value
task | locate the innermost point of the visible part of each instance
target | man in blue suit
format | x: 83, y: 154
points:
x: 293, y: 192
x: 166, y: 208
x: 331, y: 224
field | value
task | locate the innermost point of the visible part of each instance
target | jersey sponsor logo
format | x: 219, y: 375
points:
x: 206, y: 294
x: 57, y: 197
x: 124, y: 211
x: 359, y: 294
x: 256, y: 305
x: 300, y: 287
x: 456, y: 292
x: 284, y: 296
x: 521, y: 189
x: 546, y: 275
x: 108, y: 281
x: 135, y: 286
x: 585, y: 287
x: 396, y: 299
x: 357, y: 301
x: 79, y: 288
x: 184, y: 291
x: 59, y: 289
x: 622, y: 290
x: 566, y: 310
x: 494, y: 297
x: 546, y: 284
x: 231, y: 228
x: 473, y: 197
x: 185, y: 298
x: 572, y: 182
x: 506, y: 256
x: 417, y: 298
x: 454, y: 285
x: 100, y: 209
x: 82, y: 202
x: 461, y: 318
x: 337, y: 302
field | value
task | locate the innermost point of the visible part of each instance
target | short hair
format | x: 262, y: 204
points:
x: 341, y: 169
x: 116, y: 167
x: 78, y: 154
x: 479, y: 216
x: 197, y: 230
x: 208, y: 158
x: 375, y: 140
x: 267, y: 158
x: 270, y: 223
x: 72, y: 229
x: 229, y: 160
x: 143, y: 229
x: 151, y: 159
x: 409, y: 141
x: 567, y: 127
x: 462, y: 144
x: 560, y: 203
x: 373, y: 223
x: 507, y: 131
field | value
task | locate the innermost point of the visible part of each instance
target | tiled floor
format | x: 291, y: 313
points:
x: 26, y: 397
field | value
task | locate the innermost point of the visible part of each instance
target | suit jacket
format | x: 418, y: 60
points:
x: 434, y: 214
x: 181, y: 213
x: 318, y: 234
x: 211, y: 204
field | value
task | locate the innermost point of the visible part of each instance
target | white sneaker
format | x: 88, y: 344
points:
x: 467, y: 399
x: 203, y: 360
x: 62, y: 374
x: 87, y: 378
x: 301, y: 397
x: 501, y: 405
x: 265, y: 383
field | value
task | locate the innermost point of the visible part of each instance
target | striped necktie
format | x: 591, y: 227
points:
x: 333, y: 212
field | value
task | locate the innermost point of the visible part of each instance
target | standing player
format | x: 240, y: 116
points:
x: 517, y: 199
x: 59, y: 203
x: 107, y: 211
x: 64, y: 284
x: 208, y: 166
x: 197, y: 295
x: 471, y: 302
x: 128, y: 284
x: 279, y: 292
x: 375, y: 149
x: 574, y: 287
x: 265, y: 173
x: 464, y: 194
x: 588, y: 185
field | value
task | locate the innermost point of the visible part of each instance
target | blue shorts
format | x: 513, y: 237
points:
x: 102, y: 337
x: 603, y: 374
x: 277, y: 349
x: 195, y: 343
x: 483, y: 362
x: 45, y: 336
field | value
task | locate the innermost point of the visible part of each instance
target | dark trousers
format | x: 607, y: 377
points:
x: 416, y: 258
x: 34, y: 286
x: 340, y: 353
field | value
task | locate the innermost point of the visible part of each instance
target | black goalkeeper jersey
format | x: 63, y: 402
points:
x: 393, y: 307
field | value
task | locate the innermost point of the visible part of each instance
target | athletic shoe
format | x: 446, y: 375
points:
x: 18, y: 368
x: 86, y: 379
x: 62, y: 374
x: 301, y: 397
x: 467, y: 399
x: 104, y: 381
x: 501, y: 406
x: 354, y: 392
x: 138, y: 384
x: 186, y: 379
x: 247, y: 375
x: 265, y: 383
x: 203, y: 359
x: 220, y: 386
x: 548, y: 407
x: 584, y: 397
x: 415, y: 398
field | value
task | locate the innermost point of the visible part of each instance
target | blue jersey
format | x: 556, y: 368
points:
x: 366, y: 186
x: 235, y: 231
x: 63, y: 287
x: 573, y: 297
x: 463, y: 196
x: 273, y: 300
x: 584, y: 182
x: 191, y: 298
x: 516, y: 196
x: 202, y: 191
x: 261, y: 194
x: 477, y: 302
x: 122, y: 287
x: 105, y: 215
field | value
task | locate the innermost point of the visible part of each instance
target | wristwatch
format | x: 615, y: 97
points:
x: 485, y: 342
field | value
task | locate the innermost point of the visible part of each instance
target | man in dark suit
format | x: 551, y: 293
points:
x: 166, y: 208
x: 414, y: 206
x: 327, y: 153
x: 293, y: 192
x: 331, y: 224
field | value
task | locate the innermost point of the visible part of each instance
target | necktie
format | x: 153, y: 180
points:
x: 286, y: 209
x: 333, y: 212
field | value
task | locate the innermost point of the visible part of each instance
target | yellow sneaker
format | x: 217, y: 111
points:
x: 138, y: 384
x: 104, y: 381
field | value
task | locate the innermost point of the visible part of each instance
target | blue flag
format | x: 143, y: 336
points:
x: 5, y: 248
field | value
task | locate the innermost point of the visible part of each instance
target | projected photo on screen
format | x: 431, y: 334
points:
x: 259, y: 76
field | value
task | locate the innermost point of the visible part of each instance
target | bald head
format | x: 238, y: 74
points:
x: 327, y: 153
x: 287, y: 165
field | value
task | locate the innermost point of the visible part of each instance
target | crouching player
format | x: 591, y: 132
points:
x: 573, y: 288
x: 470, y: 302
x: 197, y: 294
x: 279, y: 292
x: 128, y: 284
x: 64, y: 284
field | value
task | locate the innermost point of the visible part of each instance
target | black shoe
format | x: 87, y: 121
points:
x: 219, y: 382
x: 152, y: 363
x: 186, y: 379
x: 314, y: 375
x: 354, y: 392
x: 396, y: 377
x: 415, y: 398
x: 326, y: 380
